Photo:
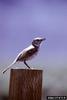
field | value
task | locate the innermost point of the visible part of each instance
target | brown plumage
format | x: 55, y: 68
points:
x: 28, y: 55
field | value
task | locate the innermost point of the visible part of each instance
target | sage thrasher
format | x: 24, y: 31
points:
x: 27, y: 53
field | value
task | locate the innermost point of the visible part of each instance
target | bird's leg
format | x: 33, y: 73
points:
x: 26, y: 64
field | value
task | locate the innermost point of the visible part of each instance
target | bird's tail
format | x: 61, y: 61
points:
x: 9, y: 67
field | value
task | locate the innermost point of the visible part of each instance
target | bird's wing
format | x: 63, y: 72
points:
x: 31, y: 53
x: 25, y: 55
x: 20, y: 57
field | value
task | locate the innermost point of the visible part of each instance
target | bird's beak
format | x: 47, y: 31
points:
x: 43, y: 39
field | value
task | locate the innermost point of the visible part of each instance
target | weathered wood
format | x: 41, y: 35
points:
x: 25, y: 84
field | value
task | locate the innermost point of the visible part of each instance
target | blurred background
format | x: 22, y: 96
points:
x: 23, y: 20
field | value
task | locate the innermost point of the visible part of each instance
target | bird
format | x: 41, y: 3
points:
x: 27, y: 53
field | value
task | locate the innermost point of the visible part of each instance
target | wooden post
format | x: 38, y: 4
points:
x: 25, y: 84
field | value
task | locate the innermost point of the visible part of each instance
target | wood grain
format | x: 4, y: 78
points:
x: 25, y: 84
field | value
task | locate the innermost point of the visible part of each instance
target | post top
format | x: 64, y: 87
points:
x: 26, y: 70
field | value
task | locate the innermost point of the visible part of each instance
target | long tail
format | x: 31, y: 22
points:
x: 9, y: 67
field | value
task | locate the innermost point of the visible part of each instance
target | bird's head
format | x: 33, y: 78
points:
x: 37, y: 41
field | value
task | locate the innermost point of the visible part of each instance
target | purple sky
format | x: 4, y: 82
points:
x: 22, y: 20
